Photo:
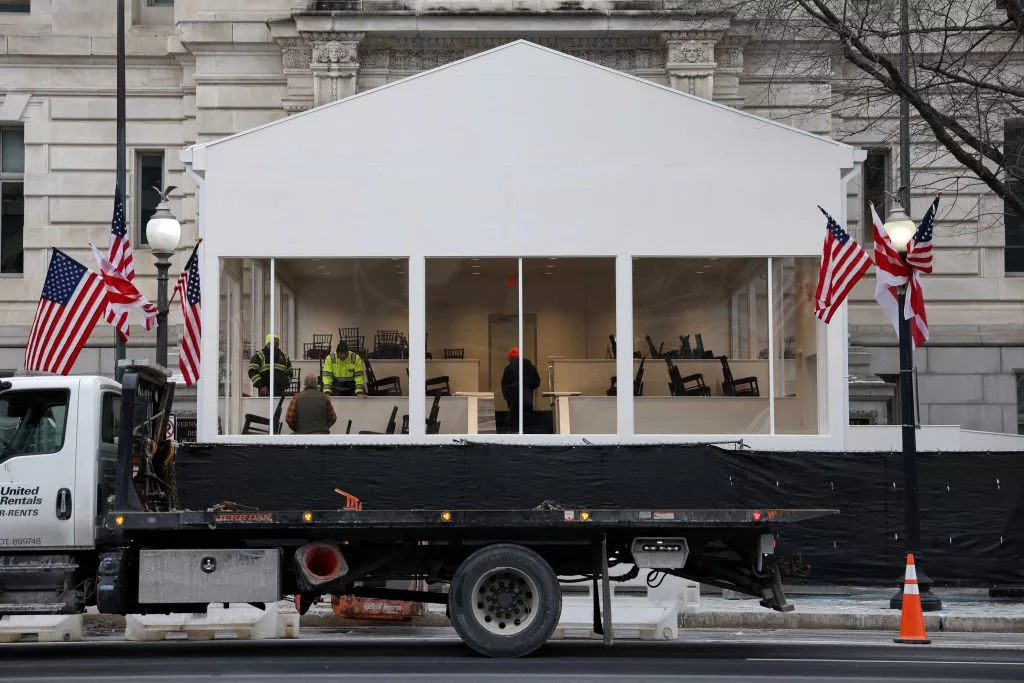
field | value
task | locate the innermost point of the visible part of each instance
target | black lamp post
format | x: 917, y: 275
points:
x: 119, y: 348
x: 900, y: 230
x: 163, y: 232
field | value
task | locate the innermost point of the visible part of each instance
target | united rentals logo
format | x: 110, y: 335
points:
x: 19, y: 495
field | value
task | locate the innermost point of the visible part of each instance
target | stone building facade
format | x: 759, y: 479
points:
x: 198, y: 70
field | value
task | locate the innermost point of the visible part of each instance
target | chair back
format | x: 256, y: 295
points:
x: 638, y: 381
x: 685, y: 349
x: 392, y: 421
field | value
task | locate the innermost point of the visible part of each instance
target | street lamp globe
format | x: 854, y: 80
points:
x: 900, y: 229
x: 163, y: 231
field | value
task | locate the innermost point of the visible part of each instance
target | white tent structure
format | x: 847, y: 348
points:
x: 523, y: 151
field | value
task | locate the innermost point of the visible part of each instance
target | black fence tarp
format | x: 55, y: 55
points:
x: 972, y: 504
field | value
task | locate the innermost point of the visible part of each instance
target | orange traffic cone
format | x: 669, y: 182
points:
x: 912, y: 618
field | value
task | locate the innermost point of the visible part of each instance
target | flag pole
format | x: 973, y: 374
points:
x: 122, y: 170
x: 194, y: 250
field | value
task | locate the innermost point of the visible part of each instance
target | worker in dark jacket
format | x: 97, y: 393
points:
x: 260, y: 366
x: 510, y: 390
x: 310, y: 411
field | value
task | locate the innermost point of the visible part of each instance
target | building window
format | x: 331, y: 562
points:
x: 15, y: 6
x: 149, y: 174
x: 1013, y: 150
x: 1020, y: 401
x: 876, y: 186
x: 161, y: 3
x: 12, y: 201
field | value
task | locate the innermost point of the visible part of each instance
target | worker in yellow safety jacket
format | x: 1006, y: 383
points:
x: 344, y: 373
x: 260, y: 367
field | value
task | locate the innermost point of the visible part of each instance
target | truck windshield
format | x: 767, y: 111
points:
x: 32, y: 422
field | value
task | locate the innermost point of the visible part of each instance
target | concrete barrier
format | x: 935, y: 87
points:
x: 278, y: 620
x: 639, y: 612
x: 58, y: 628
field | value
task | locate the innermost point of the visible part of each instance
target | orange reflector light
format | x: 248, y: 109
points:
x: 307, y: 516
x: 584, y: 516
x: 119, y: 520
x: 446, y: 516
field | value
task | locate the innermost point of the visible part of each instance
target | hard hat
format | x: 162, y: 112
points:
x: 513, y: 353
x: 272, y: 336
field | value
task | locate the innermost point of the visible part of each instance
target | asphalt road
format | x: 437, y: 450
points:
x: 722, y: 657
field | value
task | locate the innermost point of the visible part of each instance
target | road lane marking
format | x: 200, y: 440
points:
x: 880, y: 661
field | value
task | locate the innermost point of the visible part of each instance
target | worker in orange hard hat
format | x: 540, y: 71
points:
x: 510, y: 391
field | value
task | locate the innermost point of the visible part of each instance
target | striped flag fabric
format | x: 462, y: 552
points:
x: 892, y: 272
x: 919, y: 251
x: 122, y: 295
x: 188, y: 289
x: 843, y: 264
x: 122, y: 259
x: 72, y: 301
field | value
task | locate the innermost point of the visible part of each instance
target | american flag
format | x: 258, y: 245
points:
x: 843, y: 264
x: 188, y: 288
x: 919, y: 251
x: 122, y: 295
x: 122, y: 260
x: 70, y: 306
x: 892, y: 272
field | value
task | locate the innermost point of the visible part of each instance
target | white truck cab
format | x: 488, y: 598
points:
x: 57, y: 452
x: 57, y: 457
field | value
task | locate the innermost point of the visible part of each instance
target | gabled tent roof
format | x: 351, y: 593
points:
x: 516, y: 45
x: 520, y: 150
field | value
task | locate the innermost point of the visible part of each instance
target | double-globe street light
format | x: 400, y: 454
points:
x: 163, y: 232
x: 901, y: 229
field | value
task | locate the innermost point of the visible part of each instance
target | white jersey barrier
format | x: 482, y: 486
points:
x: 278, y: 620
x: 58, y: 628
x: 639, y: 612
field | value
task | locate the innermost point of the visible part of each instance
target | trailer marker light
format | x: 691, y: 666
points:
x: 584, y: 515
x: 446, y: 516
x: 119, y: 520
x: 757, y: 515
x: 307, y: 516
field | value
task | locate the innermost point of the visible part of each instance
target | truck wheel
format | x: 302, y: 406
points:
x: 505, y: 601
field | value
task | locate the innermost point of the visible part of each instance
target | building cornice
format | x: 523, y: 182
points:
x: 506, y: 24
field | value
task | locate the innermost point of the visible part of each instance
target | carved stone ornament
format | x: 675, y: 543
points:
x: 296, y: 107
x: 334, y: 63
x: 691, y: 52
x: 729, y: 52
x: 296, y: 53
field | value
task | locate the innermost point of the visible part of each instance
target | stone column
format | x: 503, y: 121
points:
x: 728, y: 69
x: 296, y: 57
x: 335, y: 65
x: 691, y: 61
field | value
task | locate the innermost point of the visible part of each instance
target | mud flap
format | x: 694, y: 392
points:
x: 774, y: 596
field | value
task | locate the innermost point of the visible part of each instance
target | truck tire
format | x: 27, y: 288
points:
x: 505, y: 601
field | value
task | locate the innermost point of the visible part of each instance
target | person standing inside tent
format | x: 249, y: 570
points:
x: 510, y: 391
x: 344, y: 373
x: 310, y: 411
x: 260, y: 368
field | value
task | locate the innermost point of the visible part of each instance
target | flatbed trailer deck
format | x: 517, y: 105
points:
x: 469, y: 550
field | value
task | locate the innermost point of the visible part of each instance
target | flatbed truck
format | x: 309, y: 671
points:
x: 88, y: 516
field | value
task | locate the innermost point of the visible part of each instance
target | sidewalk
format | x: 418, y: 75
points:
x: 846, y: 608
x: 852, y: 609
x: 865, y: 609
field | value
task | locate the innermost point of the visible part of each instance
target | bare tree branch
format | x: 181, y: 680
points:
x: 974, y: 83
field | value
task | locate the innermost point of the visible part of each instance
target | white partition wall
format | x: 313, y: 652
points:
x: 525, y: 198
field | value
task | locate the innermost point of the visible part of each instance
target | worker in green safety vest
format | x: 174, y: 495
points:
x: 260, y: 368
x: 344, y: 373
